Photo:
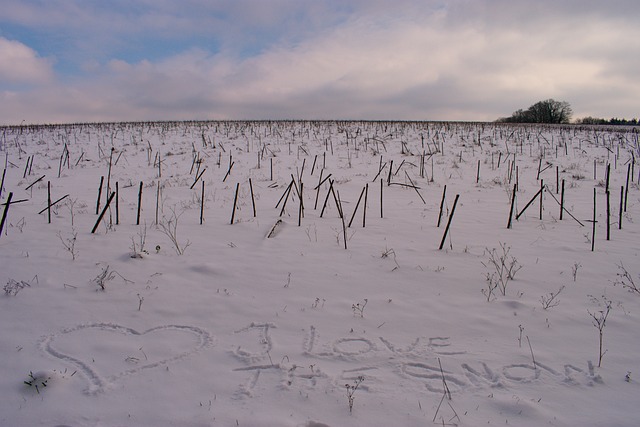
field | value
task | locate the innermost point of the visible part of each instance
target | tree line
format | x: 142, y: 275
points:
x: 559, y: 112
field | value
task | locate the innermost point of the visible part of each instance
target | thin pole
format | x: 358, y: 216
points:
x: 446, y: 230
x: 235, y: 201
x: 139, y: 204
x: 6, y: 210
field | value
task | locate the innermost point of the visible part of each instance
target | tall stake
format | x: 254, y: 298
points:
x: 364, y: 213
x: 4, y: 172
x: 99, y: 195
x: 117, y: 205
x: 513, y: 202
x: 626, y: 188
x: 541, y: 194
x: 235, y: 202
x: 5, y: 211
x: 157, y: 201
x: 104, y: 210
x: 381, y: 186
x: 301, y: 205
x: 446, y: 229
x: 444, y: 193
x: 608, y: 194
x: 621, y: 207
x: 139, y: 204
x: 356, y: 208
x: 202, y: 204
x: 49, y: 201
x: 593, y: 233
x: 253, y: 201
x: 562, y: 201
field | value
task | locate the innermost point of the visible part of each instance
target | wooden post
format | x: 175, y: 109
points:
x: 117, y: 205
x: 315, y: 207
x: 49, y: 201
x: 5, y: 211
x: 513, y: 202
x: 139, y: 204
x: 364, y: 213
x: 253, y: 201
x: 157, y: 201
x: 381, y: 186
x: 593, y: 233
x: 562, y: 201
x: 446, y: 230
x: 301, y: 206
x: 202, y: 204
x: 608, y: 194
x: 104, y: 210
x: 4, y: 172
x: 99, y: 195
x: 626, y: 188
x: 541, y: 194
x: 444, y: 193
x: 478, y: 173
x: 235, y: 202
x: 621, y: 207
x: 356, y: 208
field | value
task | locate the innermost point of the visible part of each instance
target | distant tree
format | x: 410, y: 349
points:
x: 613, y: 121
x: 547, y: 111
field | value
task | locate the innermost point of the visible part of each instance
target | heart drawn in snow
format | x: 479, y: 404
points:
x: 116, y: 351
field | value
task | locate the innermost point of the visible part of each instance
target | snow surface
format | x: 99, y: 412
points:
x: 242, y: 329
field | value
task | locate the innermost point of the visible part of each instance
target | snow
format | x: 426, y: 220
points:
x: 248, y: 330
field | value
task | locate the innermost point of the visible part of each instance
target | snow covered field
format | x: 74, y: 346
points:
x: 269, y: 323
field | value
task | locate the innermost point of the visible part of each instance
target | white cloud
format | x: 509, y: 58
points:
x: 21, y: 64
x: 461, y: 60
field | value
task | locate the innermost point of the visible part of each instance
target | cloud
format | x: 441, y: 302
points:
x: 363, y: 59
x: 21, y: 64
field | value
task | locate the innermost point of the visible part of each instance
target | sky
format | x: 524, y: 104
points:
x: 67, y: 61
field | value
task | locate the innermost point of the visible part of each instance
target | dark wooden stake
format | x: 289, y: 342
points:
x: 235, y: 202
x: 513, y: 203
x: 541, y: 194
x: 35, y: 182
x: 446, y: 229
x: 202, y: 204
x: 381, y: 186
x: 478, y: 173
x: 117, y: 205
x: 626, y: 188
x: 608, y: 194
x: 356, y: 208
x: 324, y: 206
x: 562, y: 201
x: 593, y: 232
x: 364, y: 213
x: 49, y: 201
x: 253, y: 200
x: 621, y: 207
x: 5, y: 211
x: 139, y: 204
x: 52, y: 204
x: 4, y: 172
x: 315, y: 206
x: 533, y: 199
x: 104, y: 210
x: 157, y: 201
x: 99, y: 195
x: 444, y: 193
x: 301, y: 204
